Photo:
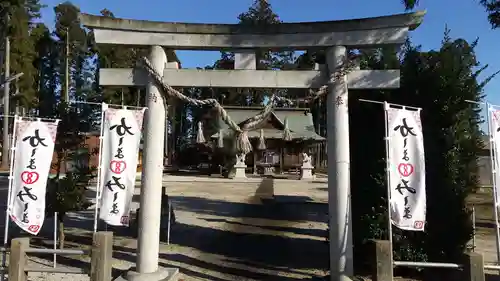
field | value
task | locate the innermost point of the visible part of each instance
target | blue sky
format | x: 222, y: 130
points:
x: 465, y: 18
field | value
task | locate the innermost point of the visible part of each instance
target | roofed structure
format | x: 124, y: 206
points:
x: 300, y: 122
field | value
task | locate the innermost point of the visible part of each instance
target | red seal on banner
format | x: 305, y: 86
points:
x: 34, y: 228
x: 29, y: 177
x: 124, y: 220
x: 418, y: 225
x: 405, y: 169
x: 117, y: 167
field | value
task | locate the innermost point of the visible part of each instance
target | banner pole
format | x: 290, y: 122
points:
x: 494, y: 178
x: 11, y: 182
x: 55, y: 240
x: 104, y: 106
x: 388, y: 173
x: 473, y: 228
x: 168, y: 222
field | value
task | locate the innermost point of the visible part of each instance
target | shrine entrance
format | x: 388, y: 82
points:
x: 159, y: 75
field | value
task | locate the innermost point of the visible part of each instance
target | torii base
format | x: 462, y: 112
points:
x: 163, y: 274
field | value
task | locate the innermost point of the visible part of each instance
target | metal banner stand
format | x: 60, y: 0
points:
x: 11, y: 179
x: 55, y: 240
x: 388, y: 174
x: 168, y: 222
x: 104, y: 106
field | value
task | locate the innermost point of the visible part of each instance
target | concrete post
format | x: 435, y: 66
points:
x: 383, y: 269
x: 18, y: 259
x: 152, y: 171
x: 473, y: 267
x: 102, y: 256
x: 339, y: 194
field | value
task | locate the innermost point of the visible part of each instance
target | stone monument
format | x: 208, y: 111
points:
x: 240, y: 166
x: 306, y: 168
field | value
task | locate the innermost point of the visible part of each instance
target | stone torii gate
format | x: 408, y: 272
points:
x: 334, y: 36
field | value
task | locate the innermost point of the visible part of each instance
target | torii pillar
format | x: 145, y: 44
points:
x: 148, y: 247
x: 339, y: 189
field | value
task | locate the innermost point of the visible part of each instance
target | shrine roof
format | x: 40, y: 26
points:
x: 300, y: 122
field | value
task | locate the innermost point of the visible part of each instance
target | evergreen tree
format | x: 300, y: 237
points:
x: 440, y: 82
x: 110, y: 56
x: 46, y: 62
x: 493, y: 10
x: 69, y: 31
x: 259, y: 14
x: 66, y: 193
x: 22, y: 48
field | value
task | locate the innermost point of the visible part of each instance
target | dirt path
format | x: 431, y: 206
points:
x: 228, y: 232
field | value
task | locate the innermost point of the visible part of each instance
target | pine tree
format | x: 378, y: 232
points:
x: 493, y: 10
x: 440, y: 82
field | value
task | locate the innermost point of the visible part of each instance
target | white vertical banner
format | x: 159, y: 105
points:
x: 34, y: 147
x: 494, y: 131
x: 495, y: 147
x: 119, y: 156
x: 406, y: 169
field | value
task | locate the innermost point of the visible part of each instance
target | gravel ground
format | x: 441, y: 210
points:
x: 224, y: 235
x: 220, y: 234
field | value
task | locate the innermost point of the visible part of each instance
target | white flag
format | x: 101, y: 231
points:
x: 407, y: 169
x: 119, y: 157
x: 495, y: 135
x: 34, y: 147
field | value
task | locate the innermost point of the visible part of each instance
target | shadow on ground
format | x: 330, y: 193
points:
x: 490, y: 277
x: 225, y: 249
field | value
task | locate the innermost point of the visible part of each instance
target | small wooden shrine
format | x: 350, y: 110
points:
x: 271, y: 151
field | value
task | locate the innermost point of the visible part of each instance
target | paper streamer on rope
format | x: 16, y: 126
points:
x: 34, y: 142
x: 262, y: 141
x: 243, y: 145
x: 200, y: 138
x: 220, y: 139
x: 287, y: 134
x: 406, y: 169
